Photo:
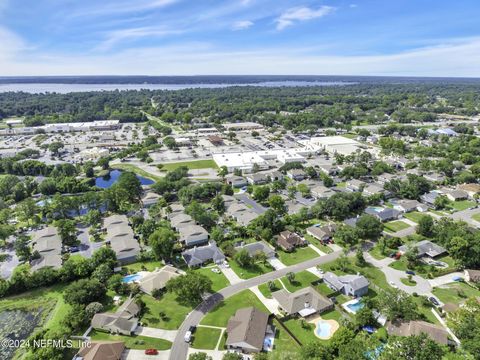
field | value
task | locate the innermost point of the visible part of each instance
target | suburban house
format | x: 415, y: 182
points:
x: 353, y: 285
x: 157, y: 279
x: 181, y: 220
x: 149, y: 198
x: 322, y: 192
x: 246, y: 330
x: 355, y: 185
x: 275, y: 175
x: 293, y: 206
x: 304, y: 302
x: 120, y: 238
x: 456, y: 195
x: 384, y: 178
x: 472, y: 276
x: 470, y: 189
x: 373, y: 189
x: 429, y: 198
x: 322, y: 233
x: 124, y: 321
x: 241, y: 213
x: 434, y: 177
x: 296, y: 174
x: 258, y: 178
x: 288, y: 240
x: 382, y: 214
x: 329, y: 169
x: 435, y: 332
x: 257, y: 247
x: 406, y: 206
x: 425, y: 248
x: 228, y: 200
x: 193, y: 234
x: 173, y: 210
x: 101, y: 350
x: 199, y: 255
x: 48, y: 244
x: 236, y: 181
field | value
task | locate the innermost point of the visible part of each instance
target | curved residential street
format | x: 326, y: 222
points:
x: 179, y: 348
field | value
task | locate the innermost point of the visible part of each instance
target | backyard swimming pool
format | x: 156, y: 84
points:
x: 323, y: 329
x: 353, y: 306
x: 131, y: 278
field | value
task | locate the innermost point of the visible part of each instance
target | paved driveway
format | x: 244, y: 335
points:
x: 445, y: 279
x: 179, y: 349
x: 140, y: 355
x: 156, y: 333
x: 276, y: 263
x: 247, y: 200
x: 466, y: 215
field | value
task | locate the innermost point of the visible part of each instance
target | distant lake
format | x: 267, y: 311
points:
x: 37, y: 88
x: 107, y: 181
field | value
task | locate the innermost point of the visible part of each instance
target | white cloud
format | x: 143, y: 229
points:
x: 109, y: 8
x: 242, y: 25
x: 117, y: 36
x: 299, y: 14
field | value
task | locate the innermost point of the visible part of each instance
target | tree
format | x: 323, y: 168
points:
x: 417, y: 347
x: 84, y: 291
x: 222, y: 172
x: 170, y: 142
x: 290, y: 277
x: 232, y: 356
x: 412, y: 256
x: 22, y: 249
x: 102, y: 273
x: 365, y: 317
x: 440, y: 202
x: 243, y: 258
x: 130, y: 182
x: 343, y: 262
x: 67, y: 231
x: 369, y: 227
x: 93, y: 308
x: 55, y: 147
x: 190, y: 287
x: 27, y: 211
x: 104, y: 255
x: 346, y: 235
x: 162, y: 242
x: 199, y: 356
x: 397, y: 304
x: 261, y: 193
x: 104, y: 163
x: 218, y: 204
x: 277, y: 204
x: 425, y: 226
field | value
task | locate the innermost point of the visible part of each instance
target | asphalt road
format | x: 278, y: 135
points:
x: 247, y: 200
x: 179, y: 348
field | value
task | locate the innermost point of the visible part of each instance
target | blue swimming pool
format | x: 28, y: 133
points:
x: 323, y: 329
x: 354, y: 307
x: 131, y: 278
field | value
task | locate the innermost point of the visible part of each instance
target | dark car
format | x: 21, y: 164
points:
x: 192, y: 329
x: 74, y: 249
x: 434, y: 301
x: 410, y: 272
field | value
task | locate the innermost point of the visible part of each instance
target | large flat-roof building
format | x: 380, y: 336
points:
x: 337, y: 144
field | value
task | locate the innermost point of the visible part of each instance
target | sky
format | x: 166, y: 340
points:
x: 240, y: 37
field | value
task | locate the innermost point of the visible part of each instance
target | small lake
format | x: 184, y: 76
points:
x: 16, y: 325
x: 107, y: 181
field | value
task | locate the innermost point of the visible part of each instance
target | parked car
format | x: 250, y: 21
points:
x: 192, y: 329
x: 151, y: 352
x: 74, y: 249
x: 392, y: 284
x: 215, y: 270
x: 434, y: 301
x: 225, y: 263
x: 188, y: 336
x: 410, y: 272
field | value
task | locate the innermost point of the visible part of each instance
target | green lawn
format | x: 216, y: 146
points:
x: 220, y: 315
x: 284, y: 344
x: 415, y: 216
x: 219, y: 280
x: 376, y: 252
x: 476, y: 217
x: 421, y: 268
x: 297, y: 256
x: 455, y: 292
x: 253, y: 271
x: 302, y: 279
x: 143, y: 266
x: 408, y: 282
x: 206, y: 338
x: 395, y: 226
x: 136, y: 170
x: 133, y: 342
x: 318, y: 244
x: 341, y: 185
x: 461, y: 205
x: 264, y: 289
x: 323, y: 289
x: 195, y: 164
x: 175, y: 313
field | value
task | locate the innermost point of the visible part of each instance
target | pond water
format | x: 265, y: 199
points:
x: 16, y: 325
x: 107, y: 181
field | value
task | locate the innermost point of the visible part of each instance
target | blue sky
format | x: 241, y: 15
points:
x: 188, y: 37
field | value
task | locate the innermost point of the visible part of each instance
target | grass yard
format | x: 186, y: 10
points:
x: 408, y: 282
x: 264, y: 289
x: 302, y: 279
x: 136, y: 170
x: 455, y: 292
x: 376, y: 252
x: 323, y: 289
x: 219, y: 280
x: 143, y: 266
x: 206, y: 338
x: 220, y: 315
x: 174, y: 312
x: 192, y: 165
x: 461, y: 205
x: 248, y: 273
x: 395, y: 226
x: 297, y: 256
x: 284, y: 344
x: 415, y: 216
x: 133, y: 342
x: 476, y: 217
x: 341, y: 185
x: 318, y: 244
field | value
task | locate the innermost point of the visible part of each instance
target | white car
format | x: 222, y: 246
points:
x: 188, y: 336
x: 225, y: 263
x: 216, y: 271
x: 392, y: 284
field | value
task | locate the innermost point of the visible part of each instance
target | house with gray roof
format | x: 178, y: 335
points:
x: 425, y: 248
x: 124, y: 321
x: 241, y: 213
x: 257, y: 178
x: 429, y: 198
x: 383, y: 214
x: 173, y: 210
x: 373, y: 189
x: 352, y: 285
x: 322, y: 192
x: 121, y: 239
x: 355, y: 185
x: 304, y: 302
x: 406, y: 206
x: 181, y: 220
x: 48, y: 244
x: 149, y: 198
x: 456, y: 195
x: 322, y: 233
x: 236, y: 181
x: 157, y: 279
x: 246, y: 330
x: 199, y: 255
x: 192, y: 235
x: 296, y: 174
x: 256, y: 247
x: 416, y: 327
